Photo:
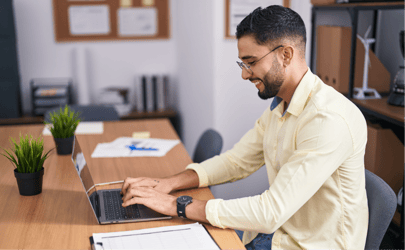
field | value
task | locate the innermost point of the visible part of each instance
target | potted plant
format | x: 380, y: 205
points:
x: 28, y: 159
x: 63, y: 124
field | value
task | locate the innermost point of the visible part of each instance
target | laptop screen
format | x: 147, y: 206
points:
x: 84, y: 173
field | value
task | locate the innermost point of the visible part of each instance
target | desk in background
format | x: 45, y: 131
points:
x: 133, y: 115
x: 61, y: 217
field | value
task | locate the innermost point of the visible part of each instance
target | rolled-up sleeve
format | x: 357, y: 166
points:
x: 242, y: 160
x: 202, y: 174
x: 211, y: 210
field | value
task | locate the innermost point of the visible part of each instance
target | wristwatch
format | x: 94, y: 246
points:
x: 182, y: 202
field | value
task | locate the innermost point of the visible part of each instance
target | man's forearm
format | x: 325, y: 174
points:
x: 196, y: 211
x: 184, y: 180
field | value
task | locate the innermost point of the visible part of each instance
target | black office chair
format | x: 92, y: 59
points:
x: 90, y: 112
x: 209, y: 145
x: 382, y: 203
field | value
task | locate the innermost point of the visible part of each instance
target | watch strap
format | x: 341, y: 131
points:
x: 181, y: 210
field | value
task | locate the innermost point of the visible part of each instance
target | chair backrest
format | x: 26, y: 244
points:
x: 209, y: 145
x: 382, y: 203
x: 90, y: 113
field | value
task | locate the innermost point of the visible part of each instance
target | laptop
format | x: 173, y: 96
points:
x: 107, y: 204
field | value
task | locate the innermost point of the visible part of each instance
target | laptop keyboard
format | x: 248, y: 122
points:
x: 114, y: 209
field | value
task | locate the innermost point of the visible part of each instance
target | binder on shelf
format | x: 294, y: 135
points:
x: 144, y: 93
x: 149, y: 95
x: 162, y: 93
x: 139, y: 93
x: 152, y: 93
x: 155, y: 91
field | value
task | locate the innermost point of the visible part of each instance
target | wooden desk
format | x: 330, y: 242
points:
x: 60, y: 217
x: 133, y: 115
x: 381, y: 106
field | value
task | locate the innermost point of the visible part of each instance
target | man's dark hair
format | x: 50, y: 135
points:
x: 273, y: 23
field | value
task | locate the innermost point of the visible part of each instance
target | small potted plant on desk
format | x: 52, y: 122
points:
x: 63, y: 124
x: 29, y: 164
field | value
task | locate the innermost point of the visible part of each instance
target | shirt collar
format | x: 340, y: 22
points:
x: 276, y: 101
x: 302, y: 94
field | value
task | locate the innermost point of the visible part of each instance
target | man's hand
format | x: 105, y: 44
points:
x: 154, y: 193
x: 152, y: 198
x: 159, y: 184
x: 183, y: 180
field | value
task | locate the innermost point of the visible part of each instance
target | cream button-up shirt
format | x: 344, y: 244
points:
x: 314, y: 155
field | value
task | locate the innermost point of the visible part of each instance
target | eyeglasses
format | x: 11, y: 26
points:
x: 242, y: 65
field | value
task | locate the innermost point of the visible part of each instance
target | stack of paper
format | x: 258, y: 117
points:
x: 131, y: 147
x: 191, y: 236
x: 84, y: 128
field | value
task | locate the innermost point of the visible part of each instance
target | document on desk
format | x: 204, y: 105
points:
x: 190, y: 236
x: 84, y: 128
x: 134, y: 147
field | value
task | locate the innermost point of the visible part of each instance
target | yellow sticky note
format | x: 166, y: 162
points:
x: 148, y: 2
x: 126, y: 3
x: 141, y: 135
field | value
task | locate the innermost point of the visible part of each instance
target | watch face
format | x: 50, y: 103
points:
x: 184, y: 199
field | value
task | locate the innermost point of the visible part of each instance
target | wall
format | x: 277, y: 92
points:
x: 110, y: 63
x: 195, y: 68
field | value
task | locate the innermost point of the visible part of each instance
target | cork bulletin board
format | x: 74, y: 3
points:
x: 236, y: 10
x: 105, y: 20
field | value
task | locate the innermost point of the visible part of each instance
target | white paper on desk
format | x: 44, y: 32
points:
x: 190, y: 236
x: 119, y: 147
x: 84, y: 128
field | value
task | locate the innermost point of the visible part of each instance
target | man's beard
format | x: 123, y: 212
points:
x: 272, y: 87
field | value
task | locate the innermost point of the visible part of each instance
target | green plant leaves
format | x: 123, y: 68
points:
x: 64, y: 122
x: 27, y: 156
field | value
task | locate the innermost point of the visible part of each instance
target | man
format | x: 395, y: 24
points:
x: 311, y: 139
